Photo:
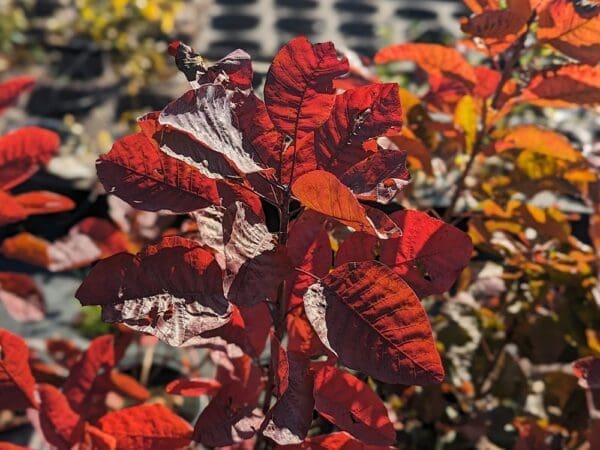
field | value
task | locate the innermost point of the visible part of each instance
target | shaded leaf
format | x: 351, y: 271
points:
x: 206, y: 115
x: 21, y: 297
x: 172, y: 290
x: 379, y: 177
x: 416, y: 153
x: 588, y: 372
x: 355, y: 248
x: 569, y: 85
x: 339, y: 440
x: 374, y: 322
x: 255, y: 263
x: 309, y: 250
x: 227, y: 420
x: 288, y: 421
x: 496, y: 24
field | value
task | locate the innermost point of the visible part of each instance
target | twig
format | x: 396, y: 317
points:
x: 516, y: 50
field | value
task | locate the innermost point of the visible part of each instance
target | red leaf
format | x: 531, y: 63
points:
x: 10, y: 90
x: 309, y: 250
x: 322, y: 192
x: 288, y: 421
x: 302, y: 338
x: 172, y: 290
x: 23, y: 152
x: 152, y: 427
x: 357, y: 247
x: 206, y: 114
x: 98, y: 358
x: 333, y: 441
x: 434, y: 59
x: 16, y: 382
x: 280, y: 366
x: 571, y: 84
x: 495, y: 24
x: 95, y: 439
x: 358, y: 115
x: 21, y: 297
x: 374, y: 322
x: 350, y: 404
x: 299, y: 86
x: 487, y: 81
x: 44, y: 202
x: 430, y: 255
x: 136, y: 171
x: 62, y: 427
x: 193, y: 387
x: 10, y: 210
x: 259, y: 132
x: 588, y: 372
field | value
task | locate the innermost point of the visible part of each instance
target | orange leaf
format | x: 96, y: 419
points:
x: 539, y: 140
x: 323, y: 192
x: 575, y: 35
x: 44, y: 202
x: 432, y: 58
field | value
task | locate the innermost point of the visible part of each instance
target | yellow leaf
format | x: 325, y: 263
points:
x: 465, y: 119
x: 536, y: 165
